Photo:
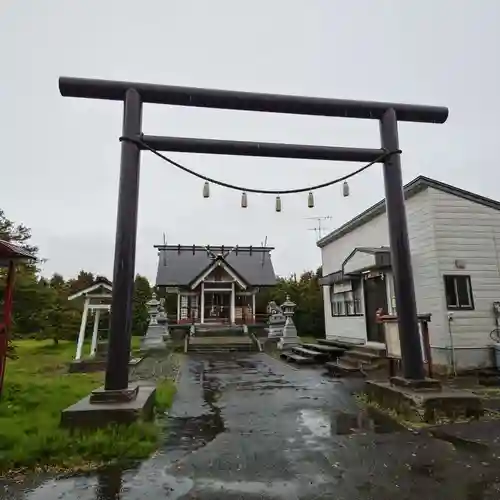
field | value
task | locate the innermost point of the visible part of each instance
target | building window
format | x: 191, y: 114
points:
x: 458, y: 292
x: 346, y: 303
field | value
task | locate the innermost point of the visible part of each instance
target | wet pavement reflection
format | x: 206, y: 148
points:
x: 250, y: 427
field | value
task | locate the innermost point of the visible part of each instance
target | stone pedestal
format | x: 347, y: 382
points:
x: 424, y: 400
x: 289, y: 338
x: 276, y: 321
x: 154, y: 338
x: 157, y: 330
x: 275, y: 330
x: 102, y: 408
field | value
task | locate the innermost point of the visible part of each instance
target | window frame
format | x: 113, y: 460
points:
x: 468, y: 284
x: 350, y: 304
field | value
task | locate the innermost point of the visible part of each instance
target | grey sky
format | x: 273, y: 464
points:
x: 61, y: 155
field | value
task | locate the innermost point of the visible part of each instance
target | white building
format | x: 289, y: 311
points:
x: 455, y: 249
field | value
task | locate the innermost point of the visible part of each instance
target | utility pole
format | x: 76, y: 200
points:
x: 320, y: 228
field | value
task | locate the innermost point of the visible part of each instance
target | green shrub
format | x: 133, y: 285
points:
x: 37, y: 387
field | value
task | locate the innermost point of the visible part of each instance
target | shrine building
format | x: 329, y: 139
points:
x: 214, y: 284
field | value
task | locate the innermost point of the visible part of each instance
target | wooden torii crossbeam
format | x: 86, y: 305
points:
x: 10, y: 255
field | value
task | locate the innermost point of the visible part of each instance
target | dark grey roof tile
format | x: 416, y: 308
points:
x: 180, y: 265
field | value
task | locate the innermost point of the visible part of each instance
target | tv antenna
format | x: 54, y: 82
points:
x: 320, y: 228
x: 164, y: 249
x: 263, y: 244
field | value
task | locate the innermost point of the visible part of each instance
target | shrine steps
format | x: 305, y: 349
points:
x: 218, y: 330
x: 361, y: 361
x: 226, y: 343
x: 312, y: 354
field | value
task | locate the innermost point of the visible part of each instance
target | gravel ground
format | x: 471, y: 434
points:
x: 157, y: 367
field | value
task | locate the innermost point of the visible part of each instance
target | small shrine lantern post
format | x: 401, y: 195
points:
x: 289, y: 337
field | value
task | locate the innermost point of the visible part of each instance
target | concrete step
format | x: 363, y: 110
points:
x: 292, y: 357
x: 372, y: 348
x: 333, y: 351
x: 338, y: 343
x: 341, y: 368
x: 221, y: 344
x: 219, y: 331
x: 364, y: 356
x: 207, y: 350
x: 309, y: 353
x: 225, y: 339
x: 369, y: 367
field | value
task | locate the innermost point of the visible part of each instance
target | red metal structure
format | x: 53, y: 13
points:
x: 10, y: 255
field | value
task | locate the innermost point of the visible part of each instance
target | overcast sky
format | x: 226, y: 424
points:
x: 60, y: 156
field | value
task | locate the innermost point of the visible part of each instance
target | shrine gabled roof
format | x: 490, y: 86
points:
x: 180, y: 265
x: 100, y: 283
x: 10, y: 251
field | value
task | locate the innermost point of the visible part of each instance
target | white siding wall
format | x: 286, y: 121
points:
x: 419, y: 211
x: 345, y: 328
x: 360, y: 260
x: 470, y: 232
x: 373, y: 234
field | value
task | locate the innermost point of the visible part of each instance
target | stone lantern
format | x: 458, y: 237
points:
x: 154, y: 338
x: 153, y: 306
x: 162, y: 319
x: 288, y: 307
x: 289, y: 337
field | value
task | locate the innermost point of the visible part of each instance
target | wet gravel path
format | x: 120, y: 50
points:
x: 251, y: 427
x: 156, y: 367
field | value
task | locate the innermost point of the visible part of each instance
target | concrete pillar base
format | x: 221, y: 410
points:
x: 102, y: 408
x: 421, y: 404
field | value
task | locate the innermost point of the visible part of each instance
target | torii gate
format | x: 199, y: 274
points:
x: 97, y: 298
x: 134, y: 95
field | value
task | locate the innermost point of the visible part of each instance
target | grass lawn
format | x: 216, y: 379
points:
x: 36, y: 388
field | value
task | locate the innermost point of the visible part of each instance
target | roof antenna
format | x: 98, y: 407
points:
x: 165, y: 249
x: 263, y: 252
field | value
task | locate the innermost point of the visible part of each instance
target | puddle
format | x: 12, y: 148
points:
x: 367, y: 420
x: 321, y: 424
x: 187, y: 434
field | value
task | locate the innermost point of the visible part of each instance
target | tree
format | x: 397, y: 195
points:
x: 57, y: 282
x: 307, y: 294
x: 140, y: 316
x: 16, y: 233
x: 58, y: 318
x: 83, y: 280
